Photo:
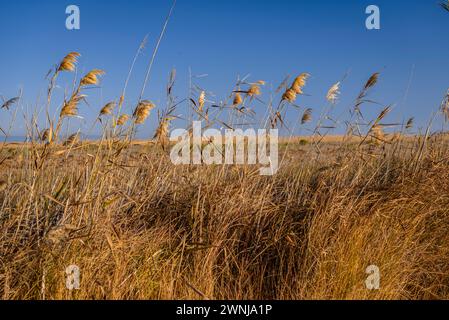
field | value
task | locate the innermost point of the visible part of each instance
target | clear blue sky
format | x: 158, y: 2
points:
x: 224, y: 39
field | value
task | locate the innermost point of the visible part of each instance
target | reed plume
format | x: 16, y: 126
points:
x: 122, y: 119
x: 300, y: 83
x: 254, y: 90
x: 372, y: 81
x: 91, y: 78
x: 409, y: 123
x: 69, y: 62
x: 107, y: 109
x: 70, y: 108
x: 289, y: 95
x: 47, y: 135
x: 307, y: 116
x: 161, y: 134
x: 142, y: 111
x: 238, y: 100
x: 201, y: 101
x: 333, y: 93
x: 9, y: 103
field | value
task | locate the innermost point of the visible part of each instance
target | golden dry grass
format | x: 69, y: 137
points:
x: 139, y: 227
x: 142, y: 228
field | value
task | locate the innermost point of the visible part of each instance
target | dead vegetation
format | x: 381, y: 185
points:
x: 139, y: 227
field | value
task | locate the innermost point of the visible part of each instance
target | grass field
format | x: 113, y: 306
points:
x: 139, y: 227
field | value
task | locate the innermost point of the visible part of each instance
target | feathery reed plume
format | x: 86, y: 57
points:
x: 107, y: 109
x: 307, y: 116
x: 70, y: 108
x: 69, y: 62
x: 142, y: 111
x: 333, y: 93
x: 91, y: 78
x: 237, y: 100
x: 71, y: 140
x: 289, y: 95
x: 121, y: 100
x: 383, y: 114
x: 409, y: 123
x: 372, y: 81
x: 9, y: 103
x: 201, y: 101
x: 300, y: 82
x: 122, y: 119
x: 47, y: 135
x: 254, y: 90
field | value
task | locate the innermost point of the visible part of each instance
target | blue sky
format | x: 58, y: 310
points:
x: 224, y: 39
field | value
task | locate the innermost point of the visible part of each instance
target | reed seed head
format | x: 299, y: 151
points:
x: 47, y: 135
x: 409, y: 124
x: 107, y: 109
x: 307, y: 116
x: 238, y: 100
x: 372, y: 81
x: 254, y: 90
x: 201, y: 101
x: 122, y: 99
x: 69, y: 62
x: 162, y: 129
x: 142, y: 111
x: 122, y: 119
x: 300, y: 82
x: 289, y: 95
x: 91, y: 78
x: 333, y: 93
x: 70, y: 108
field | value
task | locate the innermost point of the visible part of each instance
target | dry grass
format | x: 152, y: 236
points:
x: 139, y: 227
x: 144, y: 229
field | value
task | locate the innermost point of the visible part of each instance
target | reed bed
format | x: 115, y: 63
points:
x: 139, y: 227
